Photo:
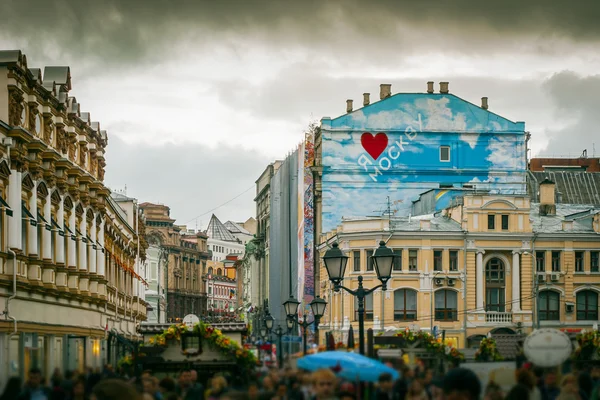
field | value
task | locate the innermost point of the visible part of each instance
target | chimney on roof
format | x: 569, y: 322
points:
x: 425, y: 224
x: 444, y: 87
x: 567, y: 225
x: 349, y: 106
x: 547, y: 197
x: 484, y: 103
x: 385, y: 91
x: 366, y: 99
x: 430, y: 87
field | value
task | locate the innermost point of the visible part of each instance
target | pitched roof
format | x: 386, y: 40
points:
x: 216, y: 230
x: 571, y: 187
x: 235, y: 228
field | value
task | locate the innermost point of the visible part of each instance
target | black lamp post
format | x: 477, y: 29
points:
x: 317, y: 306
x: 279, y: 332
x: 335, y: 263
x: 290, y: 324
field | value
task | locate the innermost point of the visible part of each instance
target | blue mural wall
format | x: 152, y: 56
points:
x: 393, y: 148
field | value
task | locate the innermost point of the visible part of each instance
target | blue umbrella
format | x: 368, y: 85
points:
x: 349, y: 366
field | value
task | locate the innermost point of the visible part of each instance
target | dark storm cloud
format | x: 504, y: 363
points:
x: 129, y: 30
x: 576, y: 103
x: 190, y: 178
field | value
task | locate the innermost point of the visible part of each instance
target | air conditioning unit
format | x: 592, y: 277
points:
x: 439, y: 281
x: 541, y: 277
x: 555, y: 277
x: 451, y: 281
x: 569, y: 308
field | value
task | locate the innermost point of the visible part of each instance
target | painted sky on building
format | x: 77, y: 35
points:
x: 393, y: 148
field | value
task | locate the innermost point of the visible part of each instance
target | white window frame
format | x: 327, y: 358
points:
x: 449, y: 157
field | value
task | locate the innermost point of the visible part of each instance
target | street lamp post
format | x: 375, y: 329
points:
x: 317, y: 306
x: 279, y: 332
x: 335, y: 263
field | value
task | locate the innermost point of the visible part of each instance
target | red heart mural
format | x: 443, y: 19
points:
x: 374, y: 144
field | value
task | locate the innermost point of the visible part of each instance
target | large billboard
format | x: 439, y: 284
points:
x: 408, y: 144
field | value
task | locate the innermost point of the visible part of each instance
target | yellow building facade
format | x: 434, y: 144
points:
x: 492, y: 263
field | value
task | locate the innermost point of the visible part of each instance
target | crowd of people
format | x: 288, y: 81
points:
x: 288, y: 384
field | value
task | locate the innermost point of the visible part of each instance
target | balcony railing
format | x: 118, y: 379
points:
x: 497, y: 317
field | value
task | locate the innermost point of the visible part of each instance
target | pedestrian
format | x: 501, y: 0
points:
x: 324, y: 381
x: 12, y: 389
x: 461, y: 384
x: 34, y: 390
x: 114, y: 389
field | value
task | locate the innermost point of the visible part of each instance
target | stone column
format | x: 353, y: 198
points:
x: 100, y: 254
x: 82, y: 262
x: 14, y: 201
x: 93, y: 253
x: 47, y: 234
x: 516, y: 282
x: 32, y: 237
x: 60, y: 240
x: 480, y: 280
x: 69, y: 238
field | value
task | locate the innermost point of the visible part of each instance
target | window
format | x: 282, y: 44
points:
x: 495, y: 285
x: 153, y: 271
x: 369, y: 260
x: 504, y: 222
x: 413, y: 255
x: 405, y: 305
x: 437, y: 260
x: 453, y: 260
x: 445, y: 153
x: 368, y: 308
x: 210, y: 270
x: 594, y: 261
x: 556, y: 261
x: 540, y: 261
x: 356, y: 258
x: 446, y: 305
x: 579, y: 261
x: 587, y: 306
x: 397, y: 260
x: 219, y: 271
x: 491, y: 221
x: 549, y: 306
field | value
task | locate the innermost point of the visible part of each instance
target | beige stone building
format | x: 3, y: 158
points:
x: 70, y: 263
x: 491, y: 263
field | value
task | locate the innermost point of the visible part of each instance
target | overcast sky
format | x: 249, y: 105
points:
x: 199, y: 96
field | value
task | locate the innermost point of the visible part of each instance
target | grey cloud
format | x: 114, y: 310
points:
x: 189, y: 178
x: 575, y: 101
x: 113, y: 30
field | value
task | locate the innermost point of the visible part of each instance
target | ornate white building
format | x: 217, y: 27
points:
x: 69, y: 253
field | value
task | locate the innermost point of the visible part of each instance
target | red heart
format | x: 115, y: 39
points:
x: 374, y: 144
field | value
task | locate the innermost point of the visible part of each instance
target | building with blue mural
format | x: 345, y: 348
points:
x: 410, y: 143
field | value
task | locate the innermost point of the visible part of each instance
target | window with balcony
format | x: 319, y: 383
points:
x: 413, y: 257
x: 504, y: 222
x: 587, y: 305
x: 405, y: 305
x: 595, y: 261
x: 495, y: 285
x: 453, y: 260
x: 556, y: 261
x: 540, y: 261
x: 397, y: 260
x: 437, y: 260
x: 356, y: 258
x: 446, y: 305
x: 491, y: 222
x: 579, y: 261
x: 368, y: 308
x: 369, y: 260
x: 549, y: 307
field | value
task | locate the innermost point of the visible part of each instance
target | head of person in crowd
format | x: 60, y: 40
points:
x: 461, y: 384
x: 551, y: 379
x: 193, y: 376
x: 253, y: 390
x: 35, y: 378
x: 324, y: 381
x: 267, y: 384
x: 493, y: 391
x: 346, y: 396
x: 148, y: 385
x: 12, y: 388
x: 78, y: 390
x: 416, y: 391
x: 185, y: 379
x: 113, y: 389
x: 585, y: 384
x: 218, y: 384
x: 437, y: 389
x: 519, y: 392
x: 167, y: 385
x: 525, y: 377
x: 385, y: 382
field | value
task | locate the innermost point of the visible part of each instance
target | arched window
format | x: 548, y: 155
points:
x: 587, y: 305
x: 219, y: 271
x: 549, y: 307
x: 495, y: 285
x: 405, y: 305
x: 210, y: 270
x: 446, y: 305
